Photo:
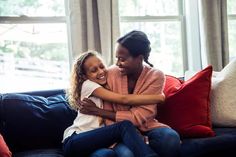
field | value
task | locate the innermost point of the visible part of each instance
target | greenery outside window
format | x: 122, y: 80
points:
x: 163, y: 22
x: 33, y: 45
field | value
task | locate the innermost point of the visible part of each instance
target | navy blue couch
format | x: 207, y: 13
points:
x: 33, y: 123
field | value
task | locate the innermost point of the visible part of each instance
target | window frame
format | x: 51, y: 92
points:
x: 25, y: 19
x: 233, y: 18
x: 29, y: 19
x: 180, y: 18
x: 193, y: 35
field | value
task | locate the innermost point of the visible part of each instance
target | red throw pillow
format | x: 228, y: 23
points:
x: 186, y: 108
x: 4, y: 150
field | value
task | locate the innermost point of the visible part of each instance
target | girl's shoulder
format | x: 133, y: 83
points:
x: 88, y: 88
x: 88, y: 83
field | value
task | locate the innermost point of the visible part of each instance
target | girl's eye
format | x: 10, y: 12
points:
x: 93, y: 70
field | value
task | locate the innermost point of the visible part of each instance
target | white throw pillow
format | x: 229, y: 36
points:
x: 223, y: 96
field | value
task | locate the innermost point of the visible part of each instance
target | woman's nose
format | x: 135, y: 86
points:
x: 118, y: 63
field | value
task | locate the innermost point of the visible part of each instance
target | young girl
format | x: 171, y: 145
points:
x: 86, y: 134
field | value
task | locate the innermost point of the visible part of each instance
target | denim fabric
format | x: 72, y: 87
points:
x: 104, y: 152
x: 84, y: 143
x: 164, y: 141
x: 123, y: 151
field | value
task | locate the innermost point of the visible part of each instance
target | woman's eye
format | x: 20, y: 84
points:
x: 121, y: 59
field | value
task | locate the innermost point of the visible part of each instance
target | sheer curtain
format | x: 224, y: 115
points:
x: 214, y: 33
x: 92, y: 25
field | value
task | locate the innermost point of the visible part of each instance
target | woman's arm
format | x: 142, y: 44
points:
x: 90, y: 108
x: 130, y: 99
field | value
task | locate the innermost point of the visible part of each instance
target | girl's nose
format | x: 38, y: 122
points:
x: 101, y: 71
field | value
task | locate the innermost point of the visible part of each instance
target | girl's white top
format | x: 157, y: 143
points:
x: 85, y: 122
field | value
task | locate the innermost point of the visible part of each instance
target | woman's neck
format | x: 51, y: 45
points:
x: 136, y: 73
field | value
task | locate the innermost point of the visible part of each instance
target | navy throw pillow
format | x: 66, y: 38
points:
x: 32, y: 122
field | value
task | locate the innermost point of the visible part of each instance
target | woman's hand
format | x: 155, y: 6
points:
x: 87, y: 106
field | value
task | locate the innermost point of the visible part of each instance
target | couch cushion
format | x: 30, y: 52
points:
x: 31, y: 122
x: 41, y: 153
x: 223, y: 144
x: 223, y: 99
x: 186, y: 108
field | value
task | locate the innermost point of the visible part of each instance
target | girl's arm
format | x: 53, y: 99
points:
x: 128, y: 99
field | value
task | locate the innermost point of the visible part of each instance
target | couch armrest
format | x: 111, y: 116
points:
x: 45, y: 93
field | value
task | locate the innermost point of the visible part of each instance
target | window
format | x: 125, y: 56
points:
x: 231, y: 9
x: 162, y: 21
x: 33, y: 45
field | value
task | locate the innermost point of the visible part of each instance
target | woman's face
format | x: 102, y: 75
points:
x: 126, y: 63
x: 95, y: 70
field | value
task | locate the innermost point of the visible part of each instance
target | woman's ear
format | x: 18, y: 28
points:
x: 140, y: 58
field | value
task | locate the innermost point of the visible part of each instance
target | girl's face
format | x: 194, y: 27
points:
x: 95, y: 70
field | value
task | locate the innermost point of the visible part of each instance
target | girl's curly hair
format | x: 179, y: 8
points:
x: 77, y: 78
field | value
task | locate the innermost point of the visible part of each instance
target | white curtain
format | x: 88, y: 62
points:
x: 92, y: 25
x: 214, y: 33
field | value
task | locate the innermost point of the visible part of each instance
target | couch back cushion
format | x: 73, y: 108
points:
x: 31, y: 122
x: 223, y: 96
x: 187, y: 105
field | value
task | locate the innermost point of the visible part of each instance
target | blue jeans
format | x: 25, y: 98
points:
x: 123, y: 151
x: 104, y: 152
x: 165, y: 141
x: 85, y: 143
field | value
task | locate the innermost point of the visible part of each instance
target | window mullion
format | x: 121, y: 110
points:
x: 183, y: 34
x: 23, y: 19
x: 193, y: 35
x: 232, y: 17
x: 149, y: 18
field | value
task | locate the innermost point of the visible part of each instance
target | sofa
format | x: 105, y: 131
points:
x: 32, y: 123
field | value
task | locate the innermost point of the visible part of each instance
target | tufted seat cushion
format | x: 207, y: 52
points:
x: 41, y: 153
x: 223, y: 144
